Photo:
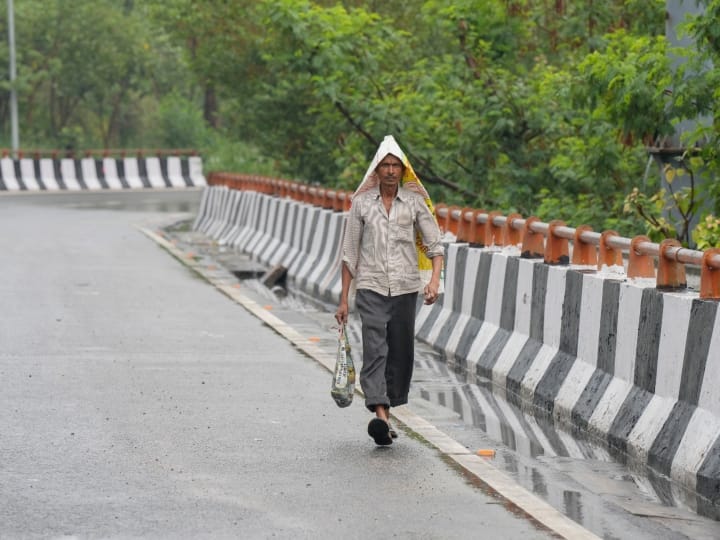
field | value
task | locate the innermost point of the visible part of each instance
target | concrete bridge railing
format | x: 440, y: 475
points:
x: 102, y: 170
x: 629, y: 360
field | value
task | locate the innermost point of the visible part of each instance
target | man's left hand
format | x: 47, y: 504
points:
x: 431, y: 292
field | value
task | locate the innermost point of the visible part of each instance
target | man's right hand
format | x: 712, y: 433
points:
x: 341, y: 315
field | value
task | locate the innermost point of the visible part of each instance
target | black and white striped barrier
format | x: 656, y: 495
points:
x: 534, y: 438
x: 303, y: 238
x: 67, y: 174
x: 633, y: 367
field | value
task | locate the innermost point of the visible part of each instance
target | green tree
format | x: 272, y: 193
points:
x: 539, y: 107
x: 85, y: 71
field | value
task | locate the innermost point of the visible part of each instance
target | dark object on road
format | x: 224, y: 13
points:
x: 274, y: 276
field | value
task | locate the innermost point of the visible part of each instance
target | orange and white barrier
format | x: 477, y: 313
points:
x: 570, y: 324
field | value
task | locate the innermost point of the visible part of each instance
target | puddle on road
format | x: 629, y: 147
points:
x: 577, y: 476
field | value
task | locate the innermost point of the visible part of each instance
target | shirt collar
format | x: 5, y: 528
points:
x: 399, y: 195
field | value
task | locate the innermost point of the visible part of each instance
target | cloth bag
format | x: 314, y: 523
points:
x: 343, y: 383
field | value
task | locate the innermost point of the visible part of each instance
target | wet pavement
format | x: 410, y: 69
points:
x: 138, y: 401
x: 576, y: 476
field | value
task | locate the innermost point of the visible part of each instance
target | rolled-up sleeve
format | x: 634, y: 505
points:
x: 429, y: 230
x: 352, y: 238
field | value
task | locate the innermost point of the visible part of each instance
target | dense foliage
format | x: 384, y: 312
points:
x: 545, y: 108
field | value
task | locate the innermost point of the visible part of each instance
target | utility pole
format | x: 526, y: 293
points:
x: 15, y: 138
x: 670, y: 151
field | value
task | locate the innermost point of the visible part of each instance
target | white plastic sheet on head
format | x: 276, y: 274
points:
x: 409, y: 181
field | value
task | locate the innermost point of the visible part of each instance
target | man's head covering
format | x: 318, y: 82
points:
x: 409, y: 181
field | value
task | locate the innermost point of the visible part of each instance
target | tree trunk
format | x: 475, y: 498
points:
x: 210, y: 107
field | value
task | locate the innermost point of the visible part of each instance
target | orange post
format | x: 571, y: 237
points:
x: 584, y: 253
x: 556, y: 248
x: 493, y: 233
x: 608, y: 255
x: 463, y: 234
x: 640, y: 265
x: 338, y: 201
x: 478, y: 230
x: 453, y: 222
x: 347, y: 201
x: 510, y: 235
x: 709, y: 277
x: 442, y: 216
x: 671, y: 272
x: 474, y: 229
x: 329, y: 201
x: 533, y: 243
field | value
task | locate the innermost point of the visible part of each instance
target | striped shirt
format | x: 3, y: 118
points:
x: 379, y: 249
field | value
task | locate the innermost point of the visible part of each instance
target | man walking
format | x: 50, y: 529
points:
x: 390, y: 232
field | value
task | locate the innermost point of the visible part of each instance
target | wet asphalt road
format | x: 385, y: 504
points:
x: 139, y: 402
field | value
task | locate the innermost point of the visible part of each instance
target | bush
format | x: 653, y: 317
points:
x: 226, y: 155
x: 707, y: 233
x: 180, y: 124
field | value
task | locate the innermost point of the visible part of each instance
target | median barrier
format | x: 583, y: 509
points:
x: 302, y: 237
x: 101, y: 171
x: 630, y: 366
x: 620, y: 352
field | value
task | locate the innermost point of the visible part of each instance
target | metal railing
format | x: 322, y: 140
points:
x: 665, y: 262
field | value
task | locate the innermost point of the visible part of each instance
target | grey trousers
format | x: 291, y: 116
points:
x: 388, y: 337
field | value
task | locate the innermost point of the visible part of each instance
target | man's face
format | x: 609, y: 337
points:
x: 390, y: 170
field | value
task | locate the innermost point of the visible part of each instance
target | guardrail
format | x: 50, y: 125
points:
x: 332, y: 199
x: 536, y: 239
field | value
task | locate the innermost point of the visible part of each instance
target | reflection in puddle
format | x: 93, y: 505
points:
x: 545, y: 459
